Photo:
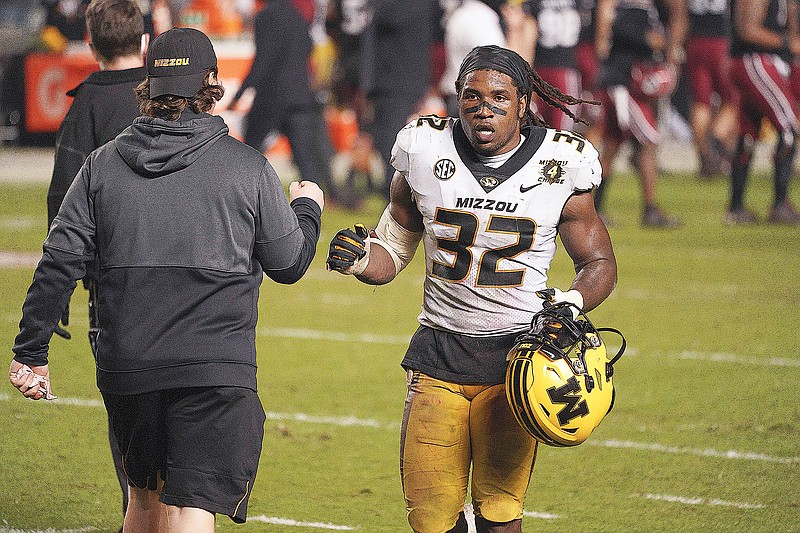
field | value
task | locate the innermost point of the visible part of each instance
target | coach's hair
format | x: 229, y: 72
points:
x: 523, y: 76
x: 170, y: 107
x: 115, y: 28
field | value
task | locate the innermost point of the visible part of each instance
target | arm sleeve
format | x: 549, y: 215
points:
x: 286, y: 238
x: 308, y: 217
x: 68, y: 246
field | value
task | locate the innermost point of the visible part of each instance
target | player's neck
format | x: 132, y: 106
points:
x: 123, y: 63
x: 495, y: 161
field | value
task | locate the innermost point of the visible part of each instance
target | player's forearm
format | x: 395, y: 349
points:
x: 380, y: 268
x: 595, y: 280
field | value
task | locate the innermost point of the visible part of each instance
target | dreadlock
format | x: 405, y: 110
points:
x: 524, y: 78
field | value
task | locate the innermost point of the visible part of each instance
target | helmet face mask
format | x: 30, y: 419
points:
x: 559, y: 379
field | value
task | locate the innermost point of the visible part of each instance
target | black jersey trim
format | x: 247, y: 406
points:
x: 534, y: 137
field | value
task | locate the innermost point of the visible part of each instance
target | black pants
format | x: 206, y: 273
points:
x: 391, y: 113
x: 307, y: 133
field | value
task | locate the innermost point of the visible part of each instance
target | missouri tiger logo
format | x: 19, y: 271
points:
x: 489, y: 182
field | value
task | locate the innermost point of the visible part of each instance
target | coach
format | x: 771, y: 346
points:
x: 184, y: 221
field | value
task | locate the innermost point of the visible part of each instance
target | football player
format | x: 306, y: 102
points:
x: 558, y: 26
x: 708, y: 71
x: 487, y: 193
x: 763, y: 43
x: 640, y: 57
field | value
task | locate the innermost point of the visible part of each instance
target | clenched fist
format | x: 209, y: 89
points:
x: 349, y: 251
x: 306, y: 189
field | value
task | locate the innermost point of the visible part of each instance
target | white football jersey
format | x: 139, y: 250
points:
x: 490, y: 233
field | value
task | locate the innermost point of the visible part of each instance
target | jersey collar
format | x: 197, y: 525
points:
x: 487, y: 177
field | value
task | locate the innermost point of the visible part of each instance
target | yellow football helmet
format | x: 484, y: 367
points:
x: 559, y: 380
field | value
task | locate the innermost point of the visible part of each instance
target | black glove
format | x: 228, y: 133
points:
x: 58, y: 330
x: 347, y: 248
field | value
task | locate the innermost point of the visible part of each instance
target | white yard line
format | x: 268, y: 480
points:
x: 289, y: 522
x: 722, y: 357
x: 19, y: 260
x: 315, y: 334
x: 22, y: 222
x: 543, y: 516
x: 261, y: 518
x: 342, y: 421
x: 375, y: 338
x: 701, y: 501
x: 353, y: 421
x: 703, y: 452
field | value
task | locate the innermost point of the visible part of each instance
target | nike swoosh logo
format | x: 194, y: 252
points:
x: 523, y: 188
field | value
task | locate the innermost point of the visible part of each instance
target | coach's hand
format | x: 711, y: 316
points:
x: 306, y: 189
x: 349, y: 251
x: 32, y: 382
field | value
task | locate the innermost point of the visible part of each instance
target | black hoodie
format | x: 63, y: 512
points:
x: 184, y: 221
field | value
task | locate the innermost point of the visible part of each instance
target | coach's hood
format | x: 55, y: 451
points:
x: 153, y: 147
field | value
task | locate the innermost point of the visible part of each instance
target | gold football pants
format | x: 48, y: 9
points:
x: 448, y: 427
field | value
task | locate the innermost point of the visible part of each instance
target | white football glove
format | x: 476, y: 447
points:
x: 571, y: 296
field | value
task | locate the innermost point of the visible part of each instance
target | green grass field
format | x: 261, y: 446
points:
x: 704, y: 435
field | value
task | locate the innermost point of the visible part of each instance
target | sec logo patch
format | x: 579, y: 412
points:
x: 444, y: 169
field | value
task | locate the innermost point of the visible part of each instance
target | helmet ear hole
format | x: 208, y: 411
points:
x: 589, y: 383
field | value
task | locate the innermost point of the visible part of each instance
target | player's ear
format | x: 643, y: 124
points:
x: 145, y: 44
x: 523, y: 106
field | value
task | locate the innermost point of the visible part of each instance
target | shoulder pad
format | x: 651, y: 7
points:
x: 419, y: 135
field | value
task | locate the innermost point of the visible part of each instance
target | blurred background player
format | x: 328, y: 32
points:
x: 637, y: 41
x: 794, y: 76
x: 467, y: 24
x: 763, y: 43
x: 395, y: 76
x: 713, y: 96
x: 67, y: 17
x: 557, y: 26
x: 588, y: 66
x: 284, y: 101
x: 104, y: 104
x: 471, y: 23
x: 358, y: 169
x: 502, y: 187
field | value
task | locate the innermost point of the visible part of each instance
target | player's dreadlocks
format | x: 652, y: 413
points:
x: 524, y: 77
